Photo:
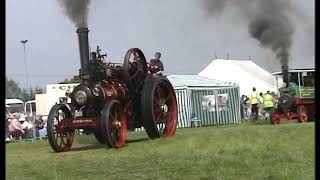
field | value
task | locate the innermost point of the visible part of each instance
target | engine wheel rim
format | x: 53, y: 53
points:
x: 63, y: 137
x: 135, y: 69
x: 117, y: 126
x: 165, y: 109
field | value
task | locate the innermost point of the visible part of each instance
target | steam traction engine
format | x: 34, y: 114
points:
x: 113, y: 98
x: 297, y: 99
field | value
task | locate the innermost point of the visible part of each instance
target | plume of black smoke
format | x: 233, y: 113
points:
x: 269, y: 22
x: 77, y: 11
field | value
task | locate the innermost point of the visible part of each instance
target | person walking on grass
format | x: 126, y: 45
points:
x: 254, y: 104
x: 268, y: 102
x: 261, y: 111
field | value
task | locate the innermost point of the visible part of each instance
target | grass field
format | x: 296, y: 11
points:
x: 244, y: 151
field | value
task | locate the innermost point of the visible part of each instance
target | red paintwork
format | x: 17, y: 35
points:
x: 70, y: 137
x: 64, y: 138
x: 304, y: 101
x: 152, y: 69
x: 169, y: 118
x: 118, y: 129
x: 112, y: 89
x: 304, y: 116
x: 276, y: 118
x: 78, y: 123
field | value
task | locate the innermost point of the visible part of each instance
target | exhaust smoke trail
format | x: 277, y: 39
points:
x: 269, y: 22
x: 77, y: 11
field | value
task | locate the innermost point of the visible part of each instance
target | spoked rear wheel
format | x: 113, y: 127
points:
x: 60, y: 138
x: 114, y: 124
x: 160, y: 109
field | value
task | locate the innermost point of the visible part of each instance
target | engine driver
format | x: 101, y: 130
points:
x: 157, y: 62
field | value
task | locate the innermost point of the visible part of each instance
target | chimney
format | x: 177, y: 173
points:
x: 84, y: 52
x: 285, y: 76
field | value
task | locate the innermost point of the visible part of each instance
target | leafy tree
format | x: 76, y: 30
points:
x: 14, y: 91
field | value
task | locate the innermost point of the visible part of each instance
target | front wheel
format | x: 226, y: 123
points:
x: 274, y: 116
x: 60, y: 138
x: 302, y: 114
x: 113, y: 124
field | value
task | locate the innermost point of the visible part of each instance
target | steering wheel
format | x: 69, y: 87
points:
x: 135, y: 69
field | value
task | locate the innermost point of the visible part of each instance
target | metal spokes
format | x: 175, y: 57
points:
x: 60, y: 137
x: 163, y: 107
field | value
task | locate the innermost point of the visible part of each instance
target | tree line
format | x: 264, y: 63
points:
x: 13, y: 90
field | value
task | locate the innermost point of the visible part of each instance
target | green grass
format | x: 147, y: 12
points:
x: 243, y: 151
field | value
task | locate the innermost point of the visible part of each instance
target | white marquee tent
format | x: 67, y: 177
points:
x: 245, y: 73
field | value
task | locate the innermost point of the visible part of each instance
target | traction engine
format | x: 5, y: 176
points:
x: 113, y: 98
x: 297, y: 99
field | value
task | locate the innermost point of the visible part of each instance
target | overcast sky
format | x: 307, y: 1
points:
x: 180, y: 29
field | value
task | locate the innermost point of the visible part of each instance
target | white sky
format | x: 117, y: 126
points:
x: 177, y: 28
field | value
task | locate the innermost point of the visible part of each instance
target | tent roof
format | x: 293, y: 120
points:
x: 196, y: 81
x: 13, y: 101
x: 243, y: 72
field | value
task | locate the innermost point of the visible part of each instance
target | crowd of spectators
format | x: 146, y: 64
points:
x: 245, y: 106
x: 16, y: 129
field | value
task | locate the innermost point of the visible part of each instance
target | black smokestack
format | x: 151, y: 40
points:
x: 269, y: 22
x: 77, y: 11
x: 285, y: 76
x: 84, y: 50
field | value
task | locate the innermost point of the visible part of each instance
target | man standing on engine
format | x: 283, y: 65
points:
x: 254, y: 104
x: 157, y: 62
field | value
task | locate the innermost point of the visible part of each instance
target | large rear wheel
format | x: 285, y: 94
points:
x: 60, y: 138
x: 159, y: 107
